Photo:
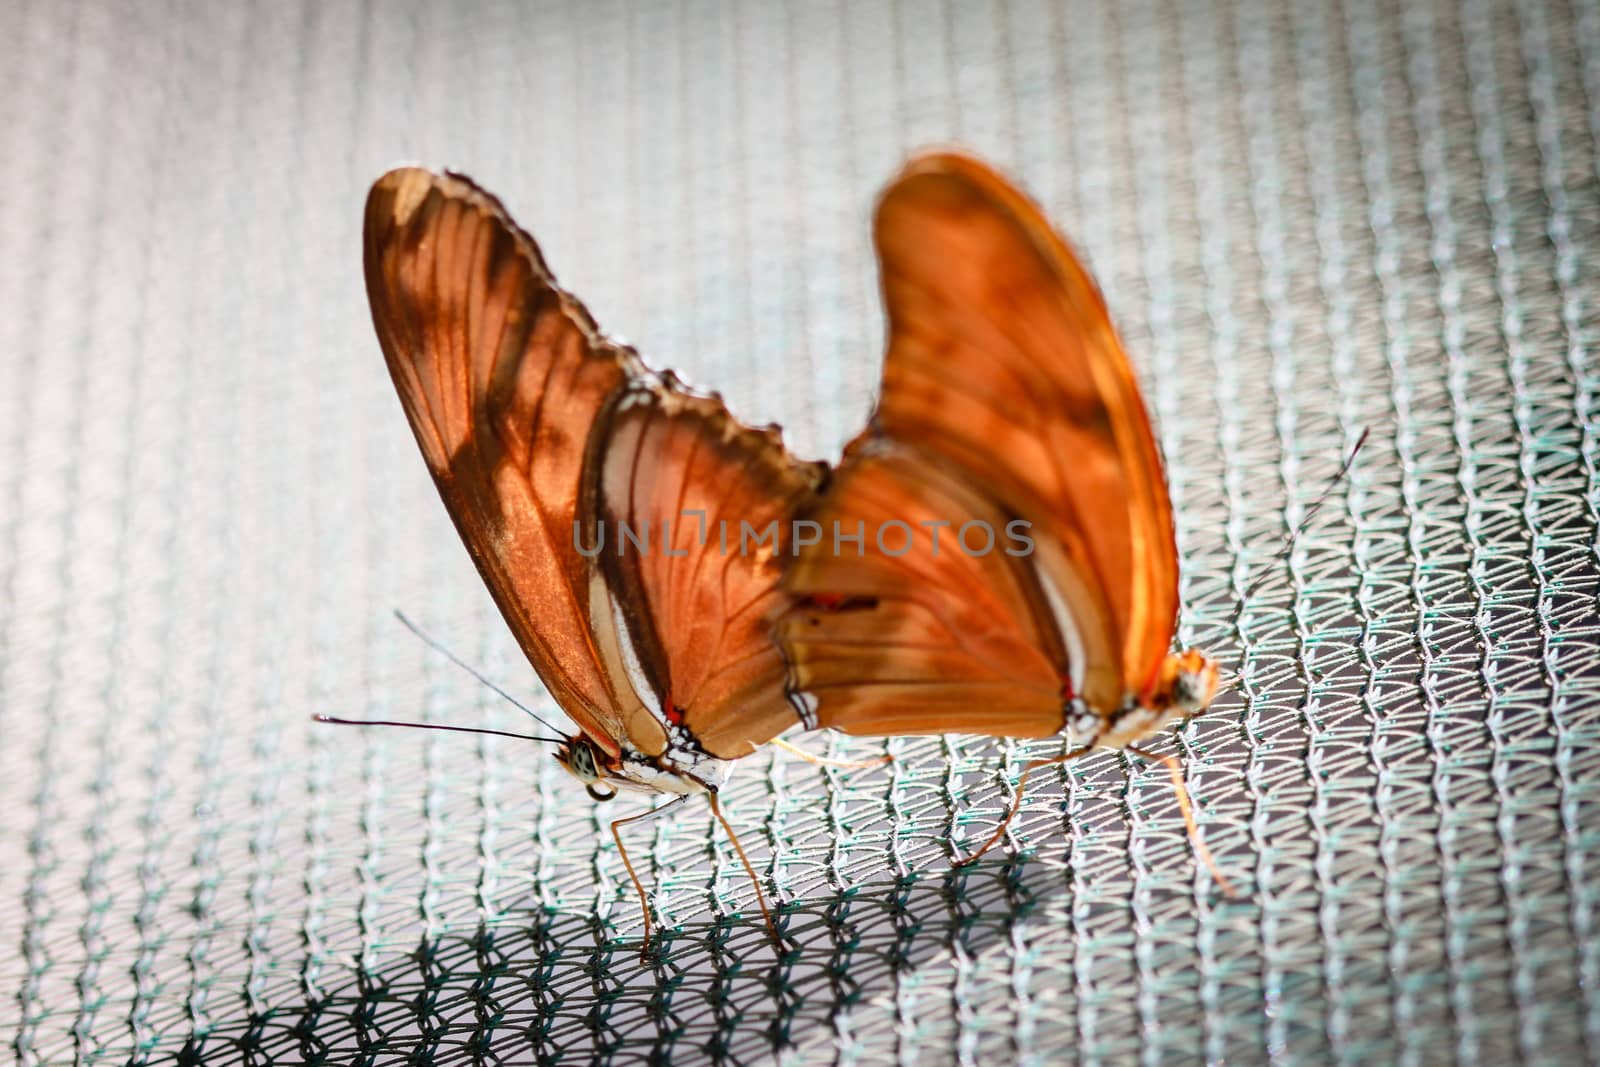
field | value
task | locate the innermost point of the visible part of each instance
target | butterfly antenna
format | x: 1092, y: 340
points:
x: 1311, y: 513
x: 436, y: 726
x: 438, y: 647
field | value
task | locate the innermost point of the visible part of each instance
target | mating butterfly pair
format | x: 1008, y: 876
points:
x: 1007, y: 404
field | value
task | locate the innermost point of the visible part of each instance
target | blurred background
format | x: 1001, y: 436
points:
x: 1310, y: 218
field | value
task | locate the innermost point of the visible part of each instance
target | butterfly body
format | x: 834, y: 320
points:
x: 1193, y: 684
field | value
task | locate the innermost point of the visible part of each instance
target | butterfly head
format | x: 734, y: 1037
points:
x: 1187, y: 683
x: 585, y: 761
x: 1182, y: 688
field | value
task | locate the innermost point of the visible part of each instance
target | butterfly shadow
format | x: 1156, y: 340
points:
x: 550, y: 986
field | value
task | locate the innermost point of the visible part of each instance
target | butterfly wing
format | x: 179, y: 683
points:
x: 1002, y: 360
x: 503, y: 376
x: 911, y: 632
x: 712, y: 499
x: 541, y: 433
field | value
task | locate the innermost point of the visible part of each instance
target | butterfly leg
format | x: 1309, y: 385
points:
x: 761, y: 898
x: 1186, y: 806
x: 638, y: 886
x: 823, y: 761
x: 1016, y: 802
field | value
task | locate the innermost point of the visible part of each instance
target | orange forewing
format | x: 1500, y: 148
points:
x: 1003, y: 379
x: 527, y: 417
x: 502, y: 376
x: 1002, y: 359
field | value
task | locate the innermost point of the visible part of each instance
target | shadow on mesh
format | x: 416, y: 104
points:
x: 556, y: 986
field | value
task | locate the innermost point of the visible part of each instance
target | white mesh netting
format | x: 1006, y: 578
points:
x: 1309, y: 218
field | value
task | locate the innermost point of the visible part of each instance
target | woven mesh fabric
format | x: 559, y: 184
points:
x: 1310, y: 219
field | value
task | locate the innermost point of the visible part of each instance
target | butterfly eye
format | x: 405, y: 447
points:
x: 1186, y: 691
x: 579, y: 759
x: 1193, y: 690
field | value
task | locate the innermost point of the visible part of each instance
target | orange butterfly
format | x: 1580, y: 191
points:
x: 996, y: 552
x: 543, y: 438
